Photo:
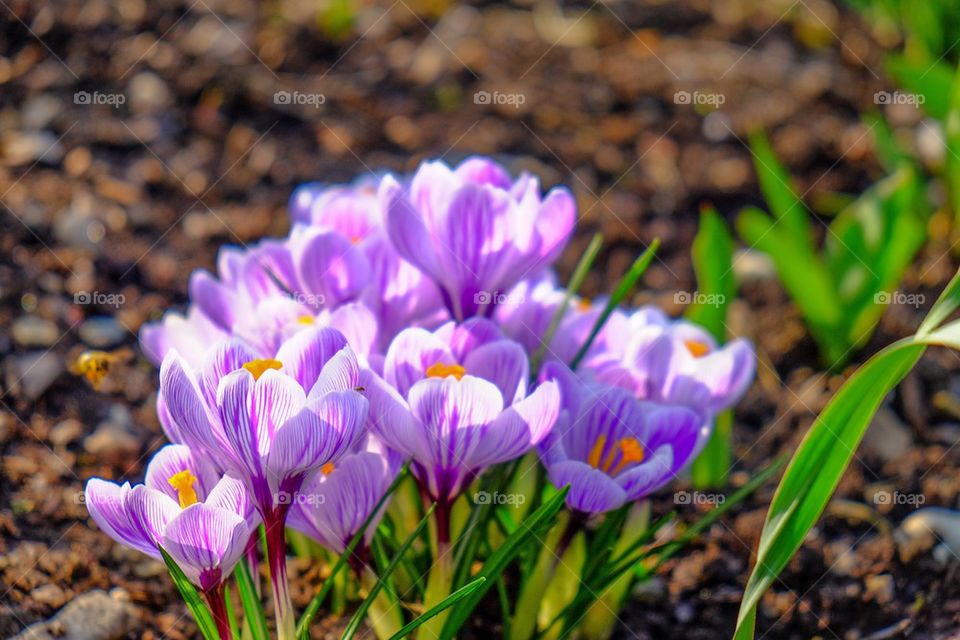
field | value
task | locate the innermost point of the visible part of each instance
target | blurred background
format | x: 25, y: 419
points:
x: 137, y: 137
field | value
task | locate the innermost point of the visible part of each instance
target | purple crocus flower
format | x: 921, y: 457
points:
x: 673, y: 362
x: 271, y: 422
x: 189, y: 334
x: 475, y: 231
x: 456, y: 401
x: 332, y: 506
x: 202, y: 520
x: 612, y: 448
x: 399, y: 294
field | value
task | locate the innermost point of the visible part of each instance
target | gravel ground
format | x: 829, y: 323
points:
x: 137, y: 137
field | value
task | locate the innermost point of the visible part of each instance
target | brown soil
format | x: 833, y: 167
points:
x: 126, y: 200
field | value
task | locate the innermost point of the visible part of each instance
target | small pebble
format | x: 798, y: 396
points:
x: 49, y: 595
x: 31, y: 331
x: 102, y: 332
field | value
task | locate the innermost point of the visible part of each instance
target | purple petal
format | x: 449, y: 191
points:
x: 224, y: 358
x: 503, y: 363
x: 465, y: 337
x: 107, y: 503
x: 185, y: 402
x: 519, y: 427
x: 554, y: 222
x: 409, y: 356
x: 453, y: 416
x: 406, y: 228
x: 390, y: 418
x: 151, y: 510
x: 253, y: 411
x: 175, y: 458
x: 340, y: 373
x: 483, y: 171
x: 304, y: 354
x: 655, y: 472
x: 325, y: 428
x: 330, y: 268
x: 591, y: 491
x: 206, y: 542
x: 358, y: 324
x: 217, y: 302
x: 232, y: 494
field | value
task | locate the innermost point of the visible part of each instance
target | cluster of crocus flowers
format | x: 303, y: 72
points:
x: 397, y: 322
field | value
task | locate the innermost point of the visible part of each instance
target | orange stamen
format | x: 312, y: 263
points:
x: 442, y: 370
x: 306, y: 320
x: 327, y: 469
x: 631, y: 452
x: 697, y: 348
x: 259, y: 366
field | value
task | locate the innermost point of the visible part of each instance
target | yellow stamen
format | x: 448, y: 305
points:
x: 306, y: 320
x: 257, y: 367
x: 594, y: 458
x: 631, y: 452
x: 183, y: 482
x: 327, y: 469
x: 697, y: 348
x: 441, y: 370
x: 356, y: 239
x: 584, y: 304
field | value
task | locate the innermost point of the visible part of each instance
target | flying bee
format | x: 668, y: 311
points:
x: 95, y: 365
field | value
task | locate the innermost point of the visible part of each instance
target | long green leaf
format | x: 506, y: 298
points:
x: 826, y: 451
x: 785, y: 204
x: 531, y: 529
x: 252, y: 605
x: 303, y: 627
x: 190, y: 595
x: 361, y: 612
x: 712, y: 257
x: 576, y: 281
x: 623, y: 289
x: 442, y: 606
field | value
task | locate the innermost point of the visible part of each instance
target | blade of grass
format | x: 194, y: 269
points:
x: 623, y: 289
x: 252, y: 606
x: 443, y: 605
x: 785, y: 204
x: 303, y: 627
x: 361, y: 612
x: 826, y: 450
x: 193, y: 599
x: 533, y: 527
x: 576, y: 281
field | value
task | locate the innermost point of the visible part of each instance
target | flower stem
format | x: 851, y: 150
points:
x: 440, y: 581
x: 218, y: 607
x: 277, y: 558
